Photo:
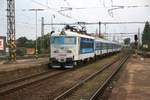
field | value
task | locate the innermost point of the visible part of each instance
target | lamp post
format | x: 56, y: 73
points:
x: 52, y: 31
x: 52, y: 17
x: 36, y: 47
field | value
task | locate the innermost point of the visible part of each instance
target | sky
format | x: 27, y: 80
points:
x: 82, y: 10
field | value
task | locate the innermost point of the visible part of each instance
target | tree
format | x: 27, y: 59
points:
x: 21, y: 41
x: 30, y: 44
x: 43, y: 44
x: 22, y: 44
x: 127, y: 41
x: 146, y: 35
x: 21, y: 51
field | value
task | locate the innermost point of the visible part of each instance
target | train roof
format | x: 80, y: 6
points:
x: 71, y: 33
x: 106, y: 41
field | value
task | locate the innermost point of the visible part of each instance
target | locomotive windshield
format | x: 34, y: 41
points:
x: 63, y: 40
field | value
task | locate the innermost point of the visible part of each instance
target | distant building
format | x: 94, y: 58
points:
x: 30, y: 51
x: 2, y: 45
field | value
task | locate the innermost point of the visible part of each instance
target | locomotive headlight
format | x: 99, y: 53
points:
x: 56, y: 51
x: 69, y: 51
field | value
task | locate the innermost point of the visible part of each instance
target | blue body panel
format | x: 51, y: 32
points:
x: 86, y: 45
x: 86, y: 50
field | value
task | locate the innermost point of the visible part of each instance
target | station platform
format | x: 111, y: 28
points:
x: 24, y: 63
x: 134, y: 82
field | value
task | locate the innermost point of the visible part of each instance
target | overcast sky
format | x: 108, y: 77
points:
x: 83, y: 10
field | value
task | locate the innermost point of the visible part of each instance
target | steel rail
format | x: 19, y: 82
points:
x: 23, y: 79
x: 8, y: 88
x: 69, y: 91
x: 101, y: 89
x: 3, y: 86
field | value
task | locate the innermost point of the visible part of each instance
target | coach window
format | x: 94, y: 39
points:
x: 86, y: 45
x: 102, y: 46
x: 69, y: 40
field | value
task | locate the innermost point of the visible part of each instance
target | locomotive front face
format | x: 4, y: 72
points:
x: 63, y: 49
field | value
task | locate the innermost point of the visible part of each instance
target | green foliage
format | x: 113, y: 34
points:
x: 22, y: 44
x: 146, y: 36
x: 42, y: 44
x: 127, y: 41
x: 21, y: 41
x: 132, y: 45
x: 21, y: 51
x: 30, y: 44
x: 101, y: 36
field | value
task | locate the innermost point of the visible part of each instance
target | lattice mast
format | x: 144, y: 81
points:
x: 11, y: 29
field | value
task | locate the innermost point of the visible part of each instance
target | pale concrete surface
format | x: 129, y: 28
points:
x: 25, y: 63
x: 134, y: 83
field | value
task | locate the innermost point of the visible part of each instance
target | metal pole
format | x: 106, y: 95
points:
x: 99, y: 29
x: 50, y: 36
x: 53, y: 16
x: 36, y: 49
x: 139, y: 38
x: 11, y: 30
x: 105, y: 32
x: 51, y: 23
x: 42, y: 33
x: 42, y: 27
x: 95, y: 23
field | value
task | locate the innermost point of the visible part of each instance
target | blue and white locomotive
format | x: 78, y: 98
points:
x: 70, y: 47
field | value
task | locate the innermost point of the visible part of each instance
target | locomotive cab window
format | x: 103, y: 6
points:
x: 63, y: 40
x: 69, y: 40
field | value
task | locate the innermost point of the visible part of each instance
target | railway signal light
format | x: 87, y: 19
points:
x: 135, y: 37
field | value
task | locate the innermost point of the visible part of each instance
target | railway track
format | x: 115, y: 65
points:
x: 101, y: 89
x: 77, y: 91
x: 20, y: 83
x: 14, y: 85
x: 24, y: 78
